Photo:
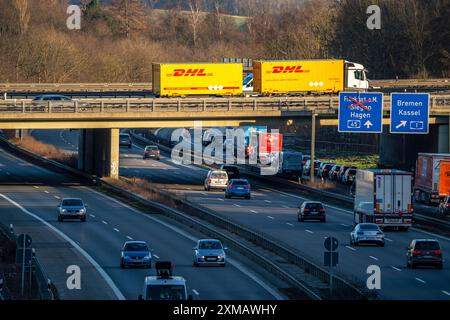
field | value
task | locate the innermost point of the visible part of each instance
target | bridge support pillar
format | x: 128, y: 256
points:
x: 98, y: 152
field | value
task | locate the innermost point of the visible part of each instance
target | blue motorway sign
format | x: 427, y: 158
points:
x: 409, y: 113
x: 360, y: 112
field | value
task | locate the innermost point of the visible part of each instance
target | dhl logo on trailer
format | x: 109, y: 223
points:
x: 271, y: 77
x: 178, y: 79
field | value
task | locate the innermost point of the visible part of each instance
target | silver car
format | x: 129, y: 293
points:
x: 367, y: 233
x: 72, y: 208
x: 57, y: 102
x: 209, y: 252
x: 216, y: 179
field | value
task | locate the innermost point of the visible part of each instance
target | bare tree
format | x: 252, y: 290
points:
x: 130, y: 15
x: 22, y: 14
x: 195, y: 15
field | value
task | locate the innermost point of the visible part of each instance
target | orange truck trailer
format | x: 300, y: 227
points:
x: 432, y: 178
x: 308, y: 76
x: 185, y: 79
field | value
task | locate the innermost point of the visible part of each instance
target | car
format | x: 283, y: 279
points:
x: 324, y: 169
x: 125, y: 140
x: 216, y: 179
x: 311, y: 210
x: 209, y: 252
x: 135, y: 254
x: 341, y: 172
x: 369, y: 233
x: 238, y: 188
x: 232, y: 171
x: 306, y: 157
x: 444, y: 206
x: 349, y: 176
x: 307, y: 167
x: 72, y: 208
x: 332, y: 174
x: 164, y: 286
x: 56, y: 101
x: 424, y: 252
x: 151, y: 152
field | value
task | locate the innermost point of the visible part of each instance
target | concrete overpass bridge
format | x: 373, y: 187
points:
x: 100, y: 120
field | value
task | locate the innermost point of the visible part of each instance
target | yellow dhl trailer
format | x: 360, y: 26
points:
x: 179, y: 79
x: 328, y: 76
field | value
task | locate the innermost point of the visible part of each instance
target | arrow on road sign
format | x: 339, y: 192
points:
x: 401, y: 124
x: 368, y: 124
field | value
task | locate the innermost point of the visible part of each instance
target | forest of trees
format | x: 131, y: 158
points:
x: 119, y: 39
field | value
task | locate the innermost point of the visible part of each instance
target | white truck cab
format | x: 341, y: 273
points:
x: 355, y: 76
x: 164, y: 286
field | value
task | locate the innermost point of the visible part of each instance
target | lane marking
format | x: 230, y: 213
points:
x: 220, y: 199
x: 116, y: 230
x: 36, y: 187
x: 395, y: 268
x: 104, y: 222
x: 374, y: 258
x: 237, y: 205
x: 286, y: 207
x: 351, y: 248
x: 387, y: 239
x: 270, y: 217
x: 195, y: 292
x: 129, y: 238
x: 289, y: 224
x: 445, y: 292
x: 254, y: 211
x: 92, y: 215
x: 46, y: 192
x: 99, y: 269
x: 309, y: 231
x: 420, y: 280
x: 268, y: 201
x: 156, y: 256
x: 244, y: 269
x: 344, y: 225
x: 57, y: 197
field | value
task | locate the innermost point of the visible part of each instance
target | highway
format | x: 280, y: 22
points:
x: 274, y: 212
x: 27, y: 189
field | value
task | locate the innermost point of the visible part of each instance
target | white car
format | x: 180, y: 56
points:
x: 216, y: 179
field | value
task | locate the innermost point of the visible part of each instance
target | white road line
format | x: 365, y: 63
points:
x: 289, y: 224
x: 205, y: 194
x: 350, y: 248
x: 156, y: 256
x: 387, y: 239
x: 116, y: 230
x: 195, y: 292
x: 270, y: 217
x: 104, y: 222
x: 309, y: 231
x: 254, y: 211
x: 46, y: 192
x: 36, y: 187
x: 220, y: 199
x: 420, y: 280
x: 344, y: 225
x: 92, y: 215
x: 99, y: 269
x: 244, y: 269
x: 237, y: 205
x: 445, y: 292
x: 286, y: 207
x: 268, y: 201
x: 395, y: 268
x: 374, y: 258
x: 56, y: 197
x: 129, y: 238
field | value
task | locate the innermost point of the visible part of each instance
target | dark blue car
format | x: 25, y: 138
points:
x: 238, y: 188
x: 135, y: 254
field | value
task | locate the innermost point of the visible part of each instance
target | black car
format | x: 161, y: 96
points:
x: 424, y: 252
x: 332, y: 175
x: 311, y: 210
x: 232, y: 171
x: 125, y: 140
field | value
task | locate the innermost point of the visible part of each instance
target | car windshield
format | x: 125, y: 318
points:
x: 218, y: 175
x: 314, y: 206
x: 124, y: 136
x: 210, y: 245
x: 427, y: 245
x: 135, y: 247
x: 152, y: 148
x: 351, y: 171
x: 239, y: 183
x: 369, y: 227
x: 72, y: 202
x: 165, y: 292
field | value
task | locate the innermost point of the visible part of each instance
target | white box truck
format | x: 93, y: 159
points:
x: 384, y: 197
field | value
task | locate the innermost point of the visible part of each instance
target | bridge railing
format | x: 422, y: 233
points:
x: 322, y: 104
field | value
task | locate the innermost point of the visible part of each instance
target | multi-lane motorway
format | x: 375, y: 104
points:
x: 32, y: 191
x: 274, y: 213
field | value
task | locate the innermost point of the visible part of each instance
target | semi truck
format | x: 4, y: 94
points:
x: 432, y: 178
x: 308, y: 76
x: 183, y: 79
x: 384, y: 197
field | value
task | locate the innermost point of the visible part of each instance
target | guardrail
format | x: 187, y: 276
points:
x: 320, y: 105
x: 283, y: 250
